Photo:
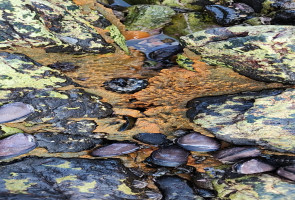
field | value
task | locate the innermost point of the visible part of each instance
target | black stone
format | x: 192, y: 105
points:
x: 284, y: 17
x: 58, y: 142
x: 125, y: 85
x: 255, y: 4
x: 151, y: 138
x: 81, y: 127
x: 64, y: 66
x: 165, y: 53
x: 129, y: 124
x: 223, y: 15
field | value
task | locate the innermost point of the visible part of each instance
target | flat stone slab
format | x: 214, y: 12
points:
x: 59, y: 178
x: 264, y: 53
x: 265, y: 118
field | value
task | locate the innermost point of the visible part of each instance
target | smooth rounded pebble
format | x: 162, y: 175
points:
x: 236, y: 153
x: 115, y: 149
x: 252, y: 166
x: 15, y: 111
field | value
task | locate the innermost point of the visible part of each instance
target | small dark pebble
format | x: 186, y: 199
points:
x: 236, y: 153
x: 171, y: 156
x: 64, y: 66
x: 198, y: 142
x: 151, y: 138
x: 252, y: 166
x: 115, y: 149
x: 287, y: 172
x: 16, y: 144
x: 165, y: 53
x: 129, y: 124
x: 125, y: 85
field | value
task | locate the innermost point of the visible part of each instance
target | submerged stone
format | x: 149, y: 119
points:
x: 254, y: 51
x: 236, y: 153
x: 151, y: 138
x: 63, y: 66
x: 171, y: 156
x: 16, y: 144
x: 287, y: 172
x: 58, y: 142
x: 198, y: 142
x: 125, y: 85
x: 15, y: 111
x: 252, y: 166
x: 67, y: 178
x: 165, y: 53
x: 115, y: 149
x: 263, y: 118
x: 174, y: 187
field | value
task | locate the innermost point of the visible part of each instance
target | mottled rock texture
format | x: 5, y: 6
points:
x: 265, y: 53
x: 264, y: 118
x: 58, y: 25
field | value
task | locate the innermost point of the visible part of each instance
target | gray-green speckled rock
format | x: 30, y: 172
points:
x: 260, y: 186
x: 265, y: 53
x: 59, y: 178
x: 148, y: 17
x: 58, y: 25
x: 265, y: 118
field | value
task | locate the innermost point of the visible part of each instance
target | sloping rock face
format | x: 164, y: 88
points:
x: 59, y: 178
x: 58, y: 25
x: 264, y: 53
x: 264, y: 118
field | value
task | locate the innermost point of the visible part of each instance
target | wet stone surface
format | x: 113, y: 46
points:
x: 60, y: 178
x: 151, y: 138
x: 125, y: 85
x: 115, y: 149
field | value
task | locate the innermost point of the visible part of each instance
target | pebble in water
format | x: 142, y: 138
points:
x: 125, y: 85
x: 171, y: 156
x: 198, y: 142
x: 64, y: 66
x: 287, y: 172
x: 15, y: 111
x: 237, y: 153
x: 252, y: 166
x: 151, y: 138
x: 115, y: 149
x: 16, y: 144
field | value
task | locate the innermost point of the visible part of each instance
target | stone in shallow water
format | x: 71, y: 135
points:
x: 252, y: 166
x: 263, y: 118
x: 236, y: 153
x: 287, y: 172
x: 125, y: 85
x: 16, y: 144
x: 15, y: 111
x: 174, y: 187
x: 151, y: 138
x: 115, y: 149
x: 67, y: 178
x: 198, y: 142
x: 253, y: 51
x: 171, y: 156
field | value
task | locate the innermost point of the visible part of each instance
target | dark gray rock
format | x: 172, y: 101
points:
x: 151, y: 138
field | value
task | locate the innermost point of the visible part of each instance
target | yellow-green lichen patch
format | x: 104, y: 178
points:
x: 65, y: 165
x: 66, y: 178
x: 125, y: 189
x: 18, y: 186
x: 118, y: 37
x: 54, y: 94
x: 9, y: 131
x: 188, y: 4
x: 86, y: 187
x: 185, y: 62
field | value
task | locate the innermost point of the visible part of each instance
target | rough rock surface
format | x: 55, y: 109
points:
x: 265, y: 53
x: 59, y: 178
x: 264, y: 118
x: 58, y: 25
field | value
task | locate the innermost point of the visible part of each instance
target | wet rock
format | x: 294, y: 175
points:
x: 148, y: 17
x: 72, y: 178
x: 253, y: 118
x: 174, y: 188
x: 198, y: 142
x: 64, y: 66
x: 257, y: 5
x: 16, y: 144
x: 171, y: 156
x: 252, y: 166
x: 60, y: 26
x: 15, y: 111
x: 58, y: 142
x: 125, y: 85
x: 255, y: 51
x: 258, y: 186
x: 287, y: 172
x: 224, y: 16
x: 237, y: 153
x: 129, y: 124
x: 115, y: 149
x: 284, y: 17
x: 151, y: 138
x: 81, y: 127
x: 165, y: 53
x: 279, y: 160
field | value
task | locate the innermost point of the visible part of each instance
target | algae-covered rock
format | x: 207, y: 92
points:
x: 55, y: 24
x: 59, y: 178
x: 264, y: 118
x: 265, y: 53
x: 147, y: 17
x: 261, y: 186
